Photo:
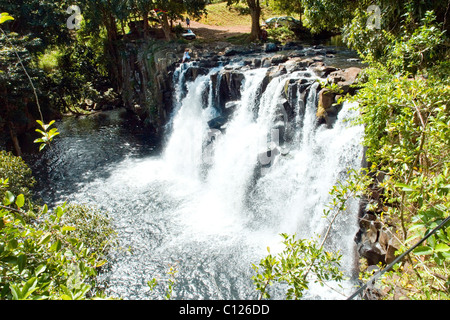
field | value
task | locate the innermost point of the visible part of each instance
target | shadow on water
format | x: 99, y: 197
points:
x: 87, y: 149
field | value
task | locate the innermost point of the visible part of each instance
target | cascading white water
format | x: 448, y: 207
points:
x: 200, y: 207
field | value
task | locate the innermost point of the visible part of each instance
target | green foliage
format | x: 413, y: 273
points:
x: 401, y: 51
x: 40, y: 20
x: 14, y: 83
x: 171, y: 282
x: 292, y: 266
x: 418, y: 50
x: 46, y: 134
x: 407, y: 133
x: 282, y: 34
x: 92, y: 227
x: 293, y: 7
x: 17, y: 174
x: 41, y: 257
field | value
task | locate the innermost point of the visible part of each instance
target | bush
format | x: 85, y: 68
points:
x: 281, y: 34
x: 19, y: 175
x: 412, y: 49
x: 47, y: 254
x: 42, y: 257
x: 407, y: 132
x: 93, y: 227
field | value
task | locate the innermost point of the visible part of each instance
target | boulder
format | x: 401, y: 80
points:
x: 266, y: 63
x: 292, y: 46
x: 279, y: 58
x: 217, y: 122
x: 256, y: 63
x: 375, y: 242
x: 271, y: 73
x: 295, y: 64
x: 326, y: 100
x: 322, y: 70
x: 344, y: 78
x: 270, y: 47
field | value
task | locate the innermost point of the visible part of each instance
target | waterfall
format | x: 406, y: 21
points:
x: 237, y: 169
x: 290, y: 194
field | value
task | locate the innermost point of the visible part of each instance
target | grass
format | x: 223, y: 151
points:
x: 237, y: 15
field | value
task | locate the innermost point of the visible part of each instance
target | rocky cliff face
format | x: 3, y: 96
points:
x: 146, y: 90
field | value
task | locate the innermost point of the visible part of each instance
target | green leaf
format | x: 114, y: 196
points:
x: 9, y: 198
x: 46, y: 238
x: 56, y: 246
x: 405, y: 187
x: 59, y: 212
x: 41, y: 268
x: 423, y: 250
x: 20, y: 201
x: 16, y: 293
x: 21, y: 261
x: 29, y: 287
x: 442, y: 247
x: 12, y: 244
x: 68, y: 228
x: 100, y: 263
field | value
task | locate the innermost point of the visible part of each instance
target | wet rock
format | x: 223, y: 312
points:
x: 238, y: 50
x: 297, y: 53
x: 279, y: 58
x: 292, y: 46
x: 323, y: 71
x: 230, y: 107
x: 270, y: 47
x: 217, y: 122
x: 375, y: 241
x: 295, y: 64
x: 266, y: 63
x: 193, y: 72
x: 271, y: 73
x: 230, y: 87
x: 256, y: 62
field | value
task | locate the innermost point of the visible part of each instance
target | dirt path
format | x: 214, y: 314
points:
x: 215, y: 33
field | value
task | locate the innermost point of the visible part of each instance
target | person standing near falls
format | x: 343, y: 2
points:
x: 186, y: 56
x: 188, y: 22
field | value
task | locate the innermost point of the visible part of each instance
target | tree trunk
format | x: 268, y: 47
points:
x: 166, y: 27
x: 15, y: 140
x: 114, y: 67
x: 255, y: 12
x: 145, y: 21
